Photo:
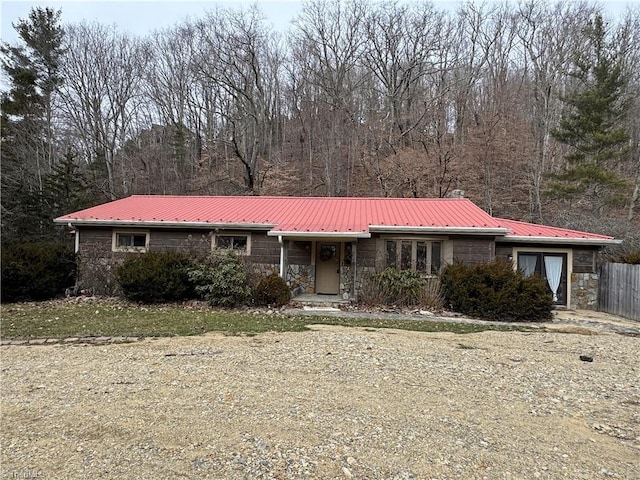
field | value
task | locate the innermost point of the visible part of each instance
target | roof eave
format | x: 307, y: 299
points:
x: 300, y: 234
x: 560, y: 240
x: 165, y: 224
x: 439, y: 230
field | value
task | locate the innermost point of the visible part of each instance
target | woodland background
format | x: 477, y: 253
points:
x: 531, y: 108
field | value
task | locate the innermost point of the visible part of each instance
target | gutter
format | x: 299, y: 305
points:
x: 161, y: 223
x: 314, y: 235
x: 560, y: 240
x: 439, y: 230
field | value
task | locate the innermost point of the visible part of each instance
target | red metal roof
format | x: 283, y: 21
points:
x: 521, y: 230
x: 314, y: 216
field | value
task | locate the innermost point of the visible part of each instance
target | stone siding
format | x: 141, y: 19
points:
x: 584, y: 291
x: 301, y: 279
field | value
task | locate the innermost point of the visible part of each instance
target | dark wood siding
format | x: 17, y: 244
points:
x: 503, y: 251
x: 299, y: 252
x: 473, y: 250
x: 264, y: 249
x: 584, y: 260
x: 189, y: 241
x: 366, y: 252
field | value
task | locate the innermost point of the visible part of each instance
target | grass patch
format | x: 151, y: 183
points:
x: 64, y: 320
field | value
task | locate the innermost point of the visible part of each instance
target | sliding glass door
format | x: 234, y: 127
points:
x: 552, y: 266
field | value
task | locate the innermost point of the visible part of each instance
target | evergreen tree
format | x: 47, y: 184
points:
x: 592, y: 124
x: 28, y: 143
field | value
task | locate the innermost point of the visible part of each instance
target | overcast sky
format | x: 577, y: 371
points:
x: 143, y: 16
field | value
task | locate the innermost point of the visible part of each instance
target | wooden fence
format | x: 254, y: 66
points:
x: 619, y: 290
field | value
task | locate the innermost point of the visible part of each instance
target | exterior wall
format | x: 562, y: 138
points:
x: 264, y: 249
x: 582, y: 275
x: 301, y: 279
x: 473, y: 250
x: 503, y: 251
x: 367, y: 256
x: 300, y: 271
x: 584, y: 260
x: 188, y: 241
x: 96, y: 261
x: 584, y: 290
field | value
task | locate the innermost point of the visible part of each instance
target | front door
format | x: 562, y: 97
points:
x: 328, y: 268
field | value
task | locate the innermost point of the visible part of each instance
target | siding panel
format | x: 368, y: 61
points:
x: 471, y: 251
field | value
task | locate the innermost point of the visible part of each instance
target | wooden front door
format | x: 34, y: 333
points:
x: 328, y: 268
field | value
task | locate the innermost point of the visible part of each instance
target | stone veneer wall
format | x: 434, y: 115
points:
x: 301, y: 279
x: 584, y: 290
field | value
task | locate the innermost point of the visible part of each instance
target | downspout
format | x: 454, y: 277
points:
x: 76, y: 245
x: 281, y: 241
x: 354, y: 265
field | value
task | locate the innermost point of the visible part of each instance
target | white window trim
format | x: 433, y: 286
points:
x: 533, y: 249
x: 229, y: 233
x: 116, y: 248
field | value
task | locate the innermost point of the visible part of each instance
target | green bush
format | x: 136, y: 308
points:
x: 494, y: 291
x: 397, y: 287
x: 221, y: 280
x: 36, y: 271
x: 155, y: 277
x: 272, y: 290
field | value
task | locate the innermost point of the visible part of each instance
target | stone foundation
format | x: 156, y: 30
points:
x: 584, y: 291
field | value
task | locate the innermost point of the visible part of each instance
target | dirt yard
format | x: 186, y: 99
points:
x: 327, y: 404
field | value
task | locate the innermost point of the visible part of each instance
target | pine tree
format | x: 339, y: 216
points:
x: 592, y: 124
x: 28, y: 143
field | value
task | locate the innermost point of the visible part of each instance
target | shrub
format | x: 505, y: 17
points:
x: 494, y: 291
x: 221, y: 280
x: 431, y: 296
x: 155, y: 277
x: 632, y: 257
x: 272, y: 290
x: 397, y: 287
x: 36, y: 271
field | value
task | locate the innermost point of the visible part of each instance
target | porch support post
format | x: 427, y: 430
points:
x: 282, y: 254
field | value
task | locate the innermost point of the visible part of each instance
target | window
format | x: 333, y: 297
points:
x: 421, y: 255
x: 238, y: 243
x: 130, y: 241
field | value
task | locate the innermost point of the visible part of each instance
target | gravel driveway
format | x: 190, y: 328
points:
x: 327, y: 404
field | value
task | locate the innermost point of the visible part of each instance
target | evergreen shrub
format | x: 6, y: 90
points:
x: 156, y: 277
x: 222, y: 280
x: 36, y: 271
x: 272, y: 290
x: 494, y: 291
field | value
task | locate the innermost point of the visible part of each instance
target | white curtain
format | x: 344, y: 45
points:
x: 527, y: 264
x: 553, y: 266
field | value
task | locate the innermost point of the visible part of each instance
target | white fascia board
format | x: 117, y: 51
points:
x: 314, y: 235
x: 439, y: 230
x: 150, y: 224
x: 560, y: 240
